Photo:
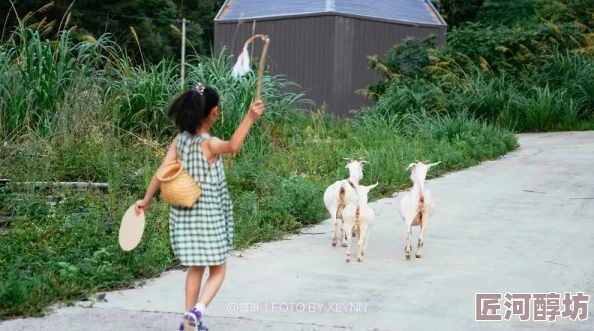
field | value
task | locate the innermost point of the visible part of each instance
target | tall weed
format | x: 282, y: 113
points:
x: 573, y: 72
x: 544, y: 109
x: 37, y: 74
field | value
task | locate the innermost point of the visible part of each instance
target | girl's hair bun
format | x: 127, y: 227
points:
x: 189, y: 109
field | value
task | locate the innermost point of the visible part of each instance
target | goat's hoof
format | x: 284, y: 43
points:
x: 345, y: 244
x: 360, y: 259
x: 418, y: 255
x: 334, y: 244
x: 348, y: 259
x: 408, y: 256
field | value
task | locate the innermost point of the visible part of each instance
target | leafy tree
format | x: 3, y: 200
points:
x: 503, y: 12
x: 404, y: 61
x: 200, y: 32
x: 457, y: 12
x: 148, y: 29
x: 566, y: 11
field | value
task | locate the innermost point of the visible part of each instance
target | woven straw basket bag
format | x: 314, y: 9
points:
x: 177, y: 186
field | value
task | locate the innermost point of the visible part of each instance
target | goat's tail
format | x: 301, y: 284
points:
x: 341, y: 202
x: 421, y: 200
x: 357, y: 217
x: 341, y: 194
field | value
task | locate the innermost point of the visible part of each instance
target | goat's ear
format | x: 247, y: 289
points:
x: 412, y: 165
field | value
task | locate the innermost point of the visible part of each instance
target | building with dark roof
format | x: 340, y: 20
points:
x: 323, y: 45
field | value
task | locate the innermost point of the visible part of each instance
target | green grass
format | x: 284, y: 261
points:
x: 68, y: 251
x: 548, y: 101
x: 525, y: 68
x: 107, y: 124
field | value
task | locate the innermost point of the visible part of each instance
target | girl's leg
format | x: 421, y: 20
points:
x: 193, y: 319
x: 193, y: 283
x: 213, y: 283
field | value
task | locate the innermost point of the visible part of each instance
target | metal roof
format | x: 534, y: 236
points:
x: 415, y: 12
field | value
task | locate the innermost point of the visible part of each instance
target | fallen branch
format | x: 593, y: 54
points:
x: 530, y: 191
x: 565, y: 265
x: 5, y: 221
x: 4, y: 182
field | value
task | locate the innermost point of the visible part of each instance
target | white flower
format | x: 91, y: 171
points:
x: 242, y: 66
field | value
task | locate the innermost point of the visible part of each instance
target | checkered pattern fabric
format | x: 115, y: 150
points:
x: 202, y: 235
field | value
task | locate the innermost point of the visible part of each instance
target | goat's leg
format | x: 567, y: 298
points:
x: 339, y: 211
x: 335, y: 222
x: 366, y: 239
x: 348, y: 228
x: 424, y: 224
x: 363, y: 232
x: 407, y: 249
x: 343, y: 237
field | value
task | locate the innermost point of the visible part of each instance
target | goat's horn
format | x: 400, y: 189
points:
x: 426, y: 161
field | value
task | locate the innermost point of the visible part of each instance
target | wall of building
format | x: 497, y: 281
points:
x: 302, y: 49
x: 326, y: 55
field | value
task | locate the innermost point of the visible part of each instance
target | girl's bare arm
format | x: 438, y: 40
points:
x: 145, y: 203
x: 232, y: 146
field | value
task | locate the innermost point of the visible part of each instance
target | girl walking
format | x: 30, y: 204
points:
x: 202, y: 235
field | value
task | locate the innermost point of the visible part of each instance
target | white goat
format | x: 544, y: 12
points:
x: 417, y: 206
x: 358, y: 217
x: 341, y: 193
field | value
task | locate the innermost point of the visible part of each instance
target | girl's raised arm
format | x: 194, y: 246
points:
x: 232, y: 146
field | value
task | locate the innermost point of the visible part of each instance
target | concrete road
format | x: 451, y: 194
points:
x: 521, y: 224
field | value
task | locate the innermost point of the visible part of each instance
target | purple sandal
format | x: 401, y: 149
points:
x: 193, y: 320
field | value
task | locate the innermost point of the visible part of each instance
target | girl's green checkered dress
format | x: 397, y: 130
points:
x: 202, y: 235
